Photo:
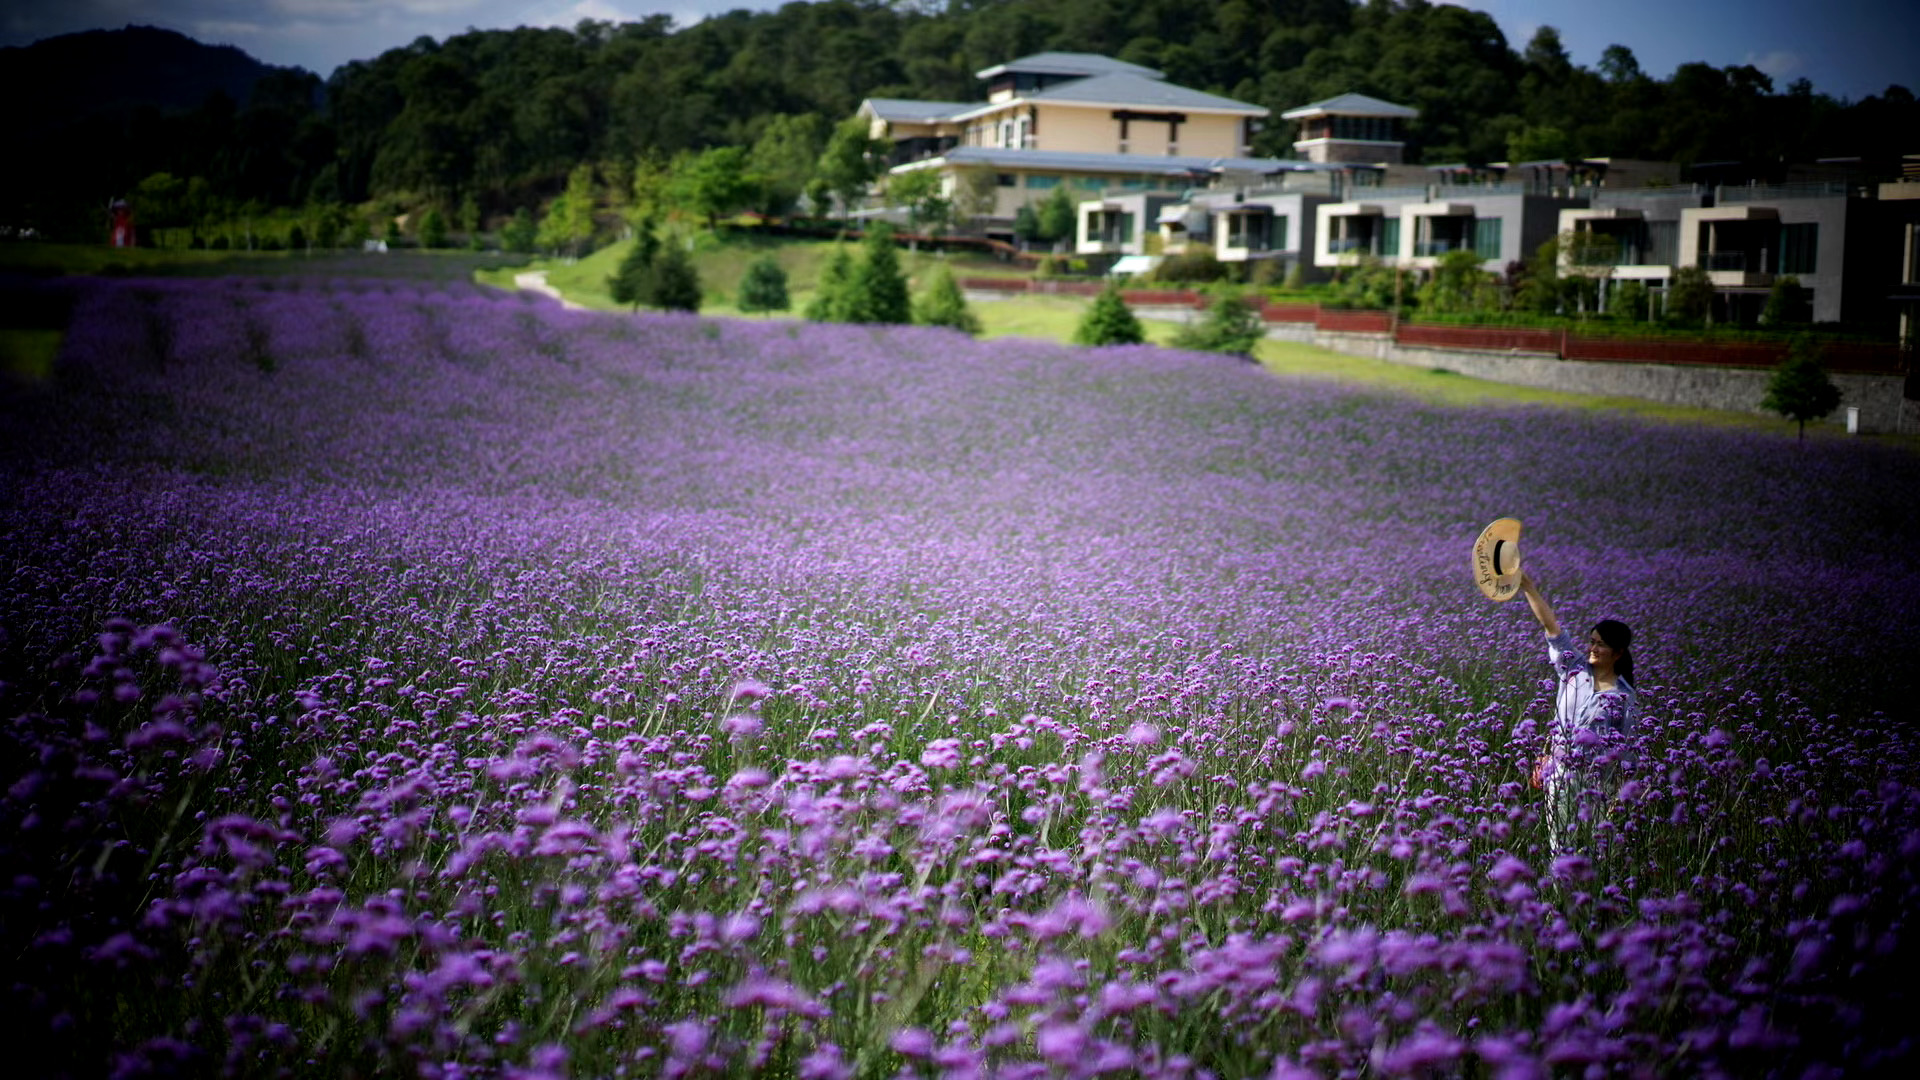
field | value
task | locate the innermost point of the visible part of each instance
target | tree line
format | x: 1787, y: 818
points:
x: 489, y: 121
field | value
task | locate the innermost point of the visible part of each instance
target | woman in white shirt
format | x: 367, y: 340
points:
x: 1593, y: 706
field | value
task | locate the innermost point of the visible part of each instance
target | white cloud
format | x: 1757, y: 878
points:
x: 1779, y: 63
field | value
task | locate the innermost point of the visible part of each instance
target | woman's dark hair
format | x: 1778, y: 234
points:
x: 1620, y: 639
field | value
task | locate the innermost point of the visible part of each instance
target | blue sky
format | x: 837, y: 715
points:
x: 1847, y: 48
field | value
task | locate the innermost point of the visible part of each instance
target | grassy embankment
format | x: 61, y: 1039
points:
x: 28, y: 345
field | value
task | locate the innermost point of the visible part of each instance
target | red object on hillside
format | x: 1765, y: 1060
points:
x: 121, y: 234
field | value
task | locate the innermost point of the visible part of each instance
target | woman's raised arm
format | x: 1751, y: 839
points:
x: 1542, y: 610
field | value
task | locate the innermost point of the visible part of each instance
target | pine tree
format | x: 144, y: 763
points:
x: 764, y: 288
x: 433, y: 229
x: 829, y: 303
x: 877, y: 291
x: 1109, y: 322
x: 944, y: 305
x: 632, y: 281
x: 676, y: 284
x: 1800, y: 389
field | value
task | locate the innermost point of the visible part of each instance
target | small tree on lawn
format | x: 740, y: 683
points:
x: 829, y: 302
x: 1232, y: 325
x: 877, y: 291
x: 944, y: 305
x: 676, y: 284
x: 1109, y: 321
x: 1026, y: 224
x: 764, y: 288
x: 632, y: 281
x: 1800, y: 389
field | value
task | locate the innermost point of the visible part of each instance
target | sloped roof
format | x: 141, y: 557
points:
x: 1124, y: 88
x: 1068, y: 160
x: 1351, y: 105
x: 911, y: 111
x: 1067, y: 63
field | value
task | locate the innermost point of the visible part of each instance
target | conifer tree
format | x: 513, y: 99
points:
x: 829, y: 303
x: 944, y: 305
x: 877, y: 291
x: 764, y: 288
x: 1232, y: 325
x: 676, y: 284
x: 632, y: 281
x: 1109, y: 321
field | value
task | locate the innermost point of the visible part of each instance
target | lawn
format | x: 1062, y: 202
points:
x: 409, y: 678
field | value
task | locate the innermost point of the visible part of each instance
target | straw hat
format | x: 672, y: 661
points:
x: 1496, y: 559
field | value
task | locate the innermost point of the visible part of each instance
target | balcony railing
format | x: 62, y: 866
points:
x: 1759, y: 193
x: 1349, y: 245
x: 1439, y: 247
x: 1738, y: 261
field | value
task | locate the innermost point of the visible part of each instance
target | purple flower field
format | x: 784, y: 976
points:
x: 421, y: 681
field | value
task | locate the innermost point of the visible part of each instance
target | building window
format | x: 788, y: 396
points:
x: 1041, y: 181
x: 1247, y: 231
x: 1486, y: 237
x: 1277, y: 237
x: 1390, y: 237
x: 1109, y: 227
x: 1798, y: 244
x: 1006, y: 179
x: 1912, y: 276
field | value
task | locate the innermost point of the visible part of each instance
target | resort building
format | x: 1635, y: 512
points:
x: 1089, y: 122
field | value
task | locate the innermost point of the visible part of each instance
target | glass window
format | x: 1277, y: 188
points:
x: 1390, y: 237
x: 1006, y: 179
x: 1041, y: 181
x: 1280, y: 234
x: 1486, y: 237
x: 1798, y: 244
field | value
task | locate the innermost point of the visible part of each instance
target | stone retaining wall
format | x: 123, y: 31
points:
x: 1878, y: 397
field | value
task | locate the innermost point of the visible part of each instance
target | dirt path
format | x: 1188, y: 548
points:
x: 536, y: 281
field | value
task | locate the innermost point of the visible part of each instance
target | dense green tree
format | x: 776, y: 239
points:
x: 921, y: 193
x: 830, y: 301
x: 1059, y: 217
x: 764, y: 287
x: 877, y: 290
x: 631, y: 282
x: 1109, y: 321
x: 1231, y: 325
x: 676, y: 284
x: 1690, y: 296
x: 1628, y: 302
x: 1786, y: 303
x: 715, y: 183
x: 851, y: 162
x: 1458, y: 285
x: 1026, y: 224
x: 784, y: 157
x: 1800, y: 389
x: 568, y: 223
x: 520, y: 234
x: 433, y: 229
x: 943, y: 304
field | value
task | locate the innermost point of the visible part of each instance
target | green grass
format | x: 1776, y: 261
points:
x: 37, y: 258
x: 27, y: 355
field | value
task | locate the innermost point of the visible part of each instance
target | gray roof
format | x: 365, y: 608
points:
x: 1068, y: 160
x: 1352, y: 105
x: 1124, y: 88
x: 910, y: 111
x: 1067, y: 63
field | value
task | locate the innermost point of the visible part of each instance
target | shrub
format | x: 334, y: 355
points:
x: 1786, y: 303
x: 1629, y: 302
x: 1109, y: 322
x: 520, y: 232
x: 1193, y: 266
x: 1232, y: 325
x: 944, y: 305
x: 764, y: 288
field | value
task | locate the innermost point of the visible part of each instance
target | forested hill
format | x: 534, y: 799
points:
x: 502, y: 116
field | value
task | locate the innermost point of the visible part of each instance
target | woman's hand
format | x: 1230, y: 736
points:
x: 1537, y: 603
